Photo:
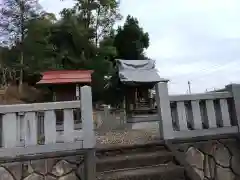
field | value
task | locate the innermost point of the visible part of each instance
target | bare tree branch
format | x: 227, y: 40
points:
x: 14, y: 16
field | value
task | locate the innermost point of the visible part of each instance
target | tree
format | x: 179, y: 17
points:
x: 131, y: 40
x: 107, y: 13
x: 98, y: 15
x: 36, y: 46
x: 72, y: 41
x: 78, y: 34
x: 6, y: 70
x: 83, y: 39
x: 14, y: 16
x: 103, y: 67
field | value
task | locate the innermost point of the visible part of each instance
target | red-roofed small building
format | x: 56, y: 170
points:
x: 65, y: 84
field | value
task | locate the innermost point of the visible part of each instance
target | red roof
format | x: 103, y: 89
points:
x: 64, y: 77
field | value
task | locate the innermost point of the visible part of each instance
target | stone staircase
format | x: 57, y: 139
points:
x: 146, y: 162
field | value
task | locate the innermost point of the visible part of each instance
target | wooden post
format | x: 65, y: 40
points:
x: 164, y: 111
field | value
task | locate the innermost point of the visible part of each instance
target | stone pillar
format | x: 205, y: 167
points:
x: 89, y: 140
x: 164, y: 111
x: 235, y: 89
x: 90, y: 165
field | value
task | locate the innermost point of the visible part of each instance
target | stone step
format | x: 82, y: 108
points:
x: 133, y: 160
x: 163, y: 172
x: 129, y: 149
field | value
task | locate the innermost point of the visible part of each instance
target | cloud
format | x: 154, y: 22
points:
x: 197, y: 41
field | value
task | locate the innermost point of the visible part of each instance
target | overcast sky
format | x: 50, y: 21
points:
x: 191, y: 40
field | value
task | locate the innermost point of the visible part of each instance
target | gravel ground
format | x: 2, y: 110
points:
x: 126, y: 137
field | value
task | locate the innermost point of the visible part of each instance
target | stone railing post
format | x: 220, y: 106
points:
x: 89, y: 140
x: 164, y: 111
x: 235, y: 89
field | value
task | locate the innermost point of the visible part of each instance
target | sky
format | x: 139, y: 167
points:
x: 191, y: 40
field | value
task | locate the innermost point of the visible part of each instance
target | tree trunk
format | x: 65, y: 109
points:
x: 22, y: 10
x: 96, y: 27
x: 21, y: 70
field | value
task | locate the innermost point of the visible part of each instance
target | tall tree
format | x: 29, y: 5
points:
x: 98, y: 15
x: 73, y: 38
x: 103, y: 67
x: 14, y: 15
x: 131, y: 40
x: 72, y: 41
x: 36, y: 46
x: 107, y: 13
x: 36, y: 49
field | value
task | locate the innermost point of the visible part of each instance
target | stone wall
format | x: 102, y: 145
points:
x: 68, y: 168
x: 214, y: 159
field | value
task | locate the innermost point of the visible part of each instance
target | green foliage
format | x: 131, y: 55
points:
x: 37, y: 49
x: 83, y: 38
x: 131, y: 40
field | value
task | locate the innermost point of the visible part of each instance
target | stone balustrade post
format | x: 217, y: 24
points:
x: 235, y: 89
x: 89, y: 139
x: 164, y: 111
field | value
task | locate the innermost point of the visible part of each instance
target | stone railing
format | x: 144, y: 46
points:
x: 23, y: 134
x: 194, y: 115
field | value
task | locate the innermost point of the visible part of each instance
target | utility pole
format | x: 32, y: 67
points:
x: 189, y: 87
